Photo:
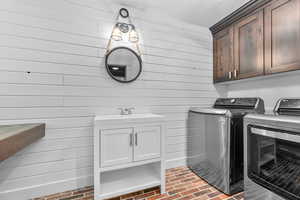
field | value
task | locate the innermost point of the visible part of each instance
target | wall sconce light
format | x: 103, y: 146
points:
x: 122, y: 29
x: 133, y: 35
x: 116, y: 34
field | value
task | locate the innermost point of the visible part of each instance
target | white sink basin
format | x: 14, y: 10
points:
x: 124, y: 117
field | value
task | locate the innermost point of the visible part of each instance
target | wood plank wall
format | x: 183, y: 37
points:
x: 51, y: 70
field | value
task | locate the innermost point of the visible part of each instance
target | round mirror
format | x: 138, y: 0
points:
x: 123, y: 64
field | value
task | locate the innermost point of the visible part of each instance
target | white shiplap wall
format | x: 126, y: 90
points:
x: 62, y: 44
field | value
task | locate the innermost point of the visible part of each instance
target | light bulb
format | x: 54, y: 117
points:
x: 116, y: 34
x: 133, y: 36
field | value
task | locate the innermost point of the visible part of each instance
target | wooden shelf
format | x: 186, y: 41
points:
x: 123, y: 181
x: 14, y: 138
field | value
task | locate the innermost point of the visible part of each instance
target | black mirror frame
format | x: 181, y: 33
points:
x: 110, y: 74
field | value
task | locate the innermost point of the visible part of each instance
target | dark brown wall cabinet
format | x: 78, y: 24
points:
x: 262, y: 37
x: 223, y: 55
x: 248, y: 46
x: 282, y: 36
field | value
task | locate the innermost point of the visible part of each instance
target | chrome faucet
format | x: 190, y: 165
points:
x: 126, y: 111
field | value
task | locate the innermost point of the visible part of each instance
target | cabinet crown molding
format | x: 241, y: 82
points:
x: 243, y: 11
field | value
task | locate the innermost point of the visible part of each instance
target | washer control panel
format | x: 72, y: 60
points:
x: 244, y: 102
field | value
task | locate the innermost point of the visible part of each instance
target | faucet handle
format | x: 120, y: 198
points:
x: 126, y: 111
x: 129, y: 110
x: 122, y: 111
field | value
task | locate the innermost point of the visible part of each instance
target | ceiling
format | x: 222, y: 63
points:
x: 199, y: 12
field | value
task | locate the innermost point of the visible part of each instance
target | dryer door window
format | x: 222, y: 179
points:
x: 274, y: 160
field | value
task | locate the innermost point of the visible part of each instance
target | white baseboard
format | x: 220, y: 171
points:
x: 178, y: 162
x: 47, y: 189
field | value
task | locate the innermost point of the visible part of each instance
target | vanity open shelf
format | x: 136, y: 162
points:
x: 127, y: 180
x: 128, y: 154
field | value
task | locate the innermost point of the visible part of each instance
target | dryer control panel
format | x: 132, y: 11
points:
x: 288, y: 107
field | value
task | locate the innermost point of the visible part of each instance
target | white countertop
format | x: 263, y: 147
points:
x: 129, y: 117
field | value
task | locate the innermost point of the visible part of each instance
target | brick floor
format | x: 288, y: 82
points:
x: 182, y: 184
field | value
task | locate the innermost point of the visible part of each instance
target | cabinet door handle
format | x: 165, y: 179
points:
x: 131, y: 139
x: 235, y: 73
x: 229, y: 75
x: 136, y: 139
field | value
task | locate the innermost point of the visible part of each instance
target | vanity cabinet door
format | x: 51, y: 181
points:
x: 147, y: 143
x: 282, y: 36
x: 248, y: 46
x: 223, y: 55
x: 116, y: 146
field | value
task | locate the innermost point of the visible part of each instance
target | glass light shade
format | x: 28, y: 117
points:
x: 133, y: 36
x: 116, y: 34
x: 124, y: 28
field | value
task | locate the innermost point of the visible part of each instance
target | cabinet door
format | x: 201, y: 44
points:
x: 223, y: 55
x: 147, y: 143
x: 282, y: 36
x: 248, y: 46
x: 116, y: 146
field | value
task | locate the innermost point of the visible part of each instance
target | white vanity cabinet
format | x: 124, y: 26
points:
x: 128, y: 154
